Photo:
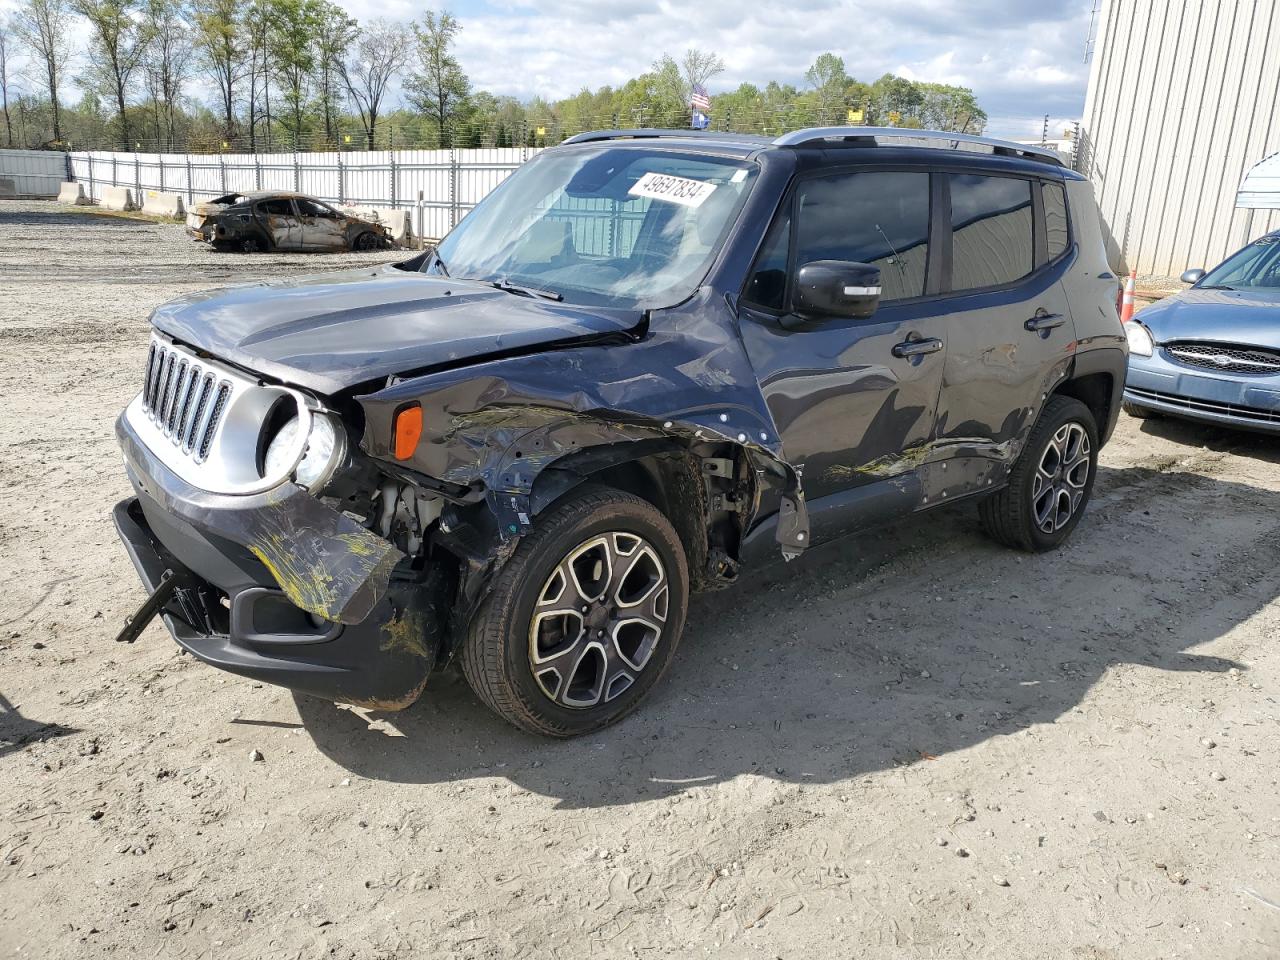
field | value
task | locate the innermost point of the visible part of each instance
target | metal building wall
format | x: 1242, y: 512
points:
x: 35, y: 173
x: 1184, y: 97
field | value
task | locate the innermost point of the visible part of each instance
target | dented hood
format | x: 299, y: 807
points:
x: 330, y: 332
x: 1249, y: 317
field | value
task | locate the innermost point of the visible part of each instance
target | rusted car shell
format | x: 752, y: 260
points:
x: 246, y: 221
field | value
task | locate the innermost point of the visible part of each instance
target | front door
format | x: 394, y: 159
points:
x: 1008, y: 324
x: 322, y: 227
x: 281, y: 222
x: 854, y: 400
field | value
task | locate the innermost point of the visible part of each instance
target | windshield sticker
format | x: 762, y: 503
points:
x: 660, y: 186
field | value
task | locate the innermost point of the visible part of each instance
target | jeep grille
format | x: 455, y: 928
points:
x: 185, y: 398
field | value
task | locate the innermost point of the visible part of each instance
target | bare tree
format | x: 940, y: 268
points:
x: 217, y: 38
x: 43, y: 26
x: 257, y: 25
x: 4, y: 80
x: 438, y: 87
x: 381, y: 53
x: 168, y: 62
x: 120, y: 39
x: 698, y: 67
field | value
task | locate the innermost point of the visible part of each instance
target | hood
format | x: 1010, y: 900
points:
x: 330, y: 332
x: 1249, y: 317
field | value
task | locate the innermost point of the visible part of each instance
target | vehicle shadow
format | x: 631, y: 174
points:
x: 16, y: 731
x: 893, y: 649
x: 1244, y: 443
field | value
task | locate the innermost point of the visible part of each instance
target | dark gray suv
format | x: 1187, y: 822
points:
x: 645, y: 360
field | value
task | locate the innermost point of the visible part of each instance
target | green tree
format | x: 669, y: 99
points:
x: 293, y: 24
x: 219, y: 44
x: 335, y: 33
x: 4, y: 81
x: 120, y: 36
x: 167, y: 64
x: 438, y: 87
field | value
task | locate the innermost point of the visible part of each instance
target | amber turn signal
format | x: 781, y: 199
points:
x: 406, y: 431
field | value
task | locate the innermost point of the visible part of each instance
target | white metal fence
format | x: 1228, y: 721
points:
x: 451, y: 181
x: 31, y: 173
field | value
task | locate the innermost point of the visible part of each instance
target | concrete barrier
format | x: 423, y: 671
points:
x: 117, y: 198
x: 162, y: 204
x: 398, y: 222
x: 72, y: 193
x: 7, y: 189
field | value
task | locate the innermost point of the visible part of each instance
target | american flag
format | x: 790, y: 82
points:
x: 700, y: 99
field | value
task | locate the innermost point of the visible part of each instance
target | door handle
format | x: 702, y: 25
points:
x: 917, y: 348
x: 1044, y: 321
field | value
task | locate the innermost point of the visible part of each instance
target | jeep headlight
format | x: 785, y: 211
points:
x: 1139, y: 337
x: 323, y: 451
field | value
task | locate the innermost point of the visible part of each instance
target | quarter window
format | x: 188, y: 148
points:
x: 992, y: 231
x: 1055, y: 219
x: 880, y: 218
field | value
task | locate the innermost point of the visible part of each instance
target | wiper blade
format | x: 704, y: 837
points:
x: 1214, y: 286
x: 524, y: 291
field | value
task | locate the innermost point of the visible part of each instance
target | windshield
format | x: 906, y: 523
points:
x: 615, y: 226
x: 1257, y: 266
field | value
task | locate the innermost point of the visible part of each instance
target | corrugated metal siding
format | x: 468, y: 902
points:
x: 1182, y: 102
x: 35, y: 173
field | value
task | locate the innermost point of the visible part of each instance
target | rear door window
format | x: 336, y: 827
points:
x: 875, y: 217
x: 992, y: 231
x: 278, y: 207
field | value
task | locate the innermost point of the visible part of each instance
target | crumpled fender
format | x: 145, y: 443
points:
x: 492, y: 427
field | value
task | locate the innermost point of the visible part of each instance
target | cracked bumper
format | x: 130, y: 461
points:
x: 284, y: 592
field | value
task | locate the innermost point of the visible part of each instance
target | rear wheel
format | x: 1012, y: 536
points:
x: 1050, y: 484
x: 1133, y: 410
x: 583, y: 619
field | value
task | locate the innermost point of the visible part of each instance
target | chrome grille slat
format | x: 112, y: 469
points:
x: 197, y: 412
x: 179, y: 385
x: 185, y: 398
x: 1223, y: 357
x: 215, y: 416
x: 150, y: 377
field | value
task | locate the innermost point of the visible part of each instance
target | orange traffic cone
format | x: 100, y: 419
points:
x: 1126, y: 301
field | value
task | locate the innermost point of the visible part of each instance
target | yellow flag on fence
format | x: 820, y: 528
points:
x: 895, y: 118
x: 855, y: 117
x: 542, y: 131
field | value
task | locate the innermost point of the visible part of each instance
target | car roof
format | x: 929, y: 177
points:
x: 897, y: 143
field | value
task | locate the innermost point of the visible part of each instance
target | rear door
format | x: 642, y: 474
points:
x: 1008, y: 324
x: 853, y: 399
x: 280, y: 221
x: 322, y: 227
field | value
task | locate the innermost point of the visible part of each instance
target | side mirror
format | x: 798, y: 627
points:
x: 837, y: 288
x: 1194, y: 275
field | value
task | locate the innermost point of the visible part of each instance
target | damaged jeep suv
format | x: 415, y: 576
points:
x: 644, y: 361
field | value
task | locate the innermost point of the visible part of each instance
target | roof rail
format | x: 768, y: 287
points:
x: 867, y: 136
x: 651, y: 133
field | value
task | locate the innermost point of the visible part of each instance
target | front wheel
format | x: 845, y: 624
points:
x: 366, y: 241
x: 583, y: 619
x: 1050, y: 484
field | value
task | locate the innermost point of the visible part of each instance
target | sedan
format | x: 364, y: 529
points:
x: 281, y: 221
x: 1212, y: 352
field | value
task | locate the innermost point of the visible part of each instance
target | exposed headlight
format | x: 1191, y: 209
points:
x: 1140, y: 341
x: 320, y: 456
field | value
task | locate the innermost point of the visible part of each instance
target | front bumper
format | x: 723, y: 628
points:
x: 368, y: 631
x: 1242, y: 401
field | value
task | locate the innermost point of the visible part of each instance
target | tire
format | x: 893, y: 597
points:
x: 1027, y: 516
x: 252, y: 245
x: 366, y: 241
x: 1133, y: 410
x: 610, y: 673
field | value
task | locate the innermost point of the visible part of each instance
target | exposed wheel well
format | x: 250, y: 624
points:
x: 1094, y: 390
x: 670, y: 481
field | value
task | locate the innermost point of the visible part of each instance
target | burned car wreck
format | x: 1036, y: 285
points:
x: 524, y: 450
x: 254, y: 222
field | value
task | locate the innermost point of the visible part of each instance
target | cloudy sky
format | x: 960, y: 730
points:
x: 1023, y: 58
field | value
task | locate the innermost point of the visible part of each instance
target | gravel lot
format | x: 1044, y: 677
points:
x: 917, y: 745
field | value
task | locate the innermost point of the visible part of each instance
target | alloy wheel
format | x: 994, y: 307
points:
x: 598, y: 619
x: 1061, y: 477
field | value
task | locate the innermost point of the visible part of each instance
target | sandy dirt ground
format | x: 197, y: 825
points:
x: 913, y: 745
